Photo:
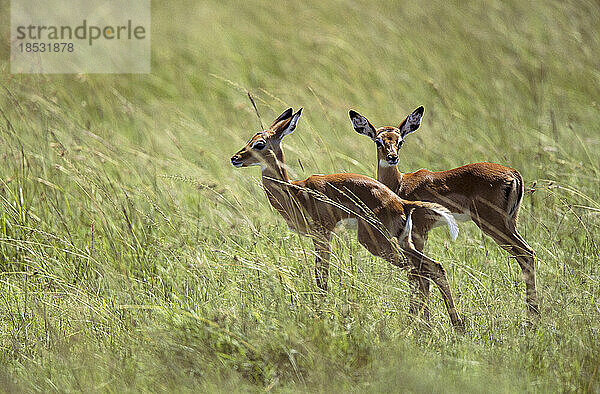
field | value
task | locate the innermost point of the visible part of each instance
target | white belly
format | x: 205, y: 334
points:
x: 462, y: 217
x: 350, y: 223
x: 459, y: 217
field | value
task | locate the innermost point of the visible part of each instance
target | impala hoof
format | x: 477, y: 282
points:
x: 460, y: 327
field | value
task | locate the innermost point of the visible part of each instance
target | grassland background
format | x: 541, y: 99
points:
x: 133, y: 256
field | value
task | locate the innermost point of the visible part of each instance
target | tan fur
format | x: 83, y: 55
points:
x: 315, y: 206
x: 490, y: 194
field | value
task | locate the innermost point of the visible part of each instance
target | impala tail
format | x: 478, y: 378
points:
x: 435, y: 211
x: 515, y: 195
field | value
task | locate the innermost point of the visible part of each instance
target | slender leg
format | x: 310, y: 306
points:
x: 382, y: 247
x: 527, y: 261
x: 322, y: 242
x: 525, y: 256
x: 419, y: 282
x: 437, y: 274
x: 507, y: 237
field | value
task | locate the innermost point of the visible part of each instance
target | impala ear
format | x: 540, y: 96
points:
x: 287, y: 124
x: 412, y: 122
x: 285, y: 115
x: 361, y: 124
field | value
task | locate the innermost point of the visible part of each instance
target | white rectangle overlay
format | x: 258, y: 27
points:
x: 80, y: 36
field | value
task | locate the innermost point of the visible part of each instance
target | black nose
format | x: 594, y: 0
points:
x: 392, y: 158
x: 235, y: 159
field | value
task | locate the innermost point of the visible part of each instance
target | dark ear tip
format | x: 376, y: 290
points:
x: 420, y: 110
x: 299, y: 111
x: 352, y: 113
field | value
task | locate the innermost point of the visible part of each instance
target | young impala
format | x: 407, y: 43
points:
x: 486, y: 193
x: 317, y: 204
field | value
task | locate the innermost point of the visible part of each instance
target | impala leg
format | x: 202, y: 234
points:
x: 430, y: 268
x: 507, y: 237
x: 322, y: 243
x: 514, y: 244
x: 419, y: 282
x: 437, y: 274
x: 527, y: 261
x: 382, y: 247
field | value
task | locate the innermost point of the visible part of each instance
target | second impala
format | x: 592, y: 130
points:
x: 486, y: 193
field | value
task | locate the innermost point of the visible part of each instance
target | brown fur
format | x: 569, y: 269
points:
x: 315, y: 206
x: 490, y: 193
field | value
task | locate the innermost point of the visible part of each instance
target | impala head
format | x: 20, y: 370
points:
x: 388, y: 139
x: 264, y: 145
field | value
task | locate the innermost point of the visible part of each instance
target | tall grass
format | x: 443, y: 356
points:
x: 134, y: 257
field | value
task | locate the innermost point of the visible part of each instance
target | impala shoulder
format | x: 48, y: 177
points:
x: 365, y: 182
x: 314, y: 176
x: 301, y: 183
x: 315, y: 180
x: 303, y: 188
x: 346, y: 178
x: 422, y: 171
x: 422, y: 174
x: 358, y: 178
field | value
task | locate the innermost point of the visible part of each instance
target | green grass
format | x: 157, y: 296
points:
x: 133, y: 256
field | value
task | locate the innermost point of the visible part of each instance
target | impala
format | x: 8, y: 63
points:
x: 316, y: 205
x: 486, y: 193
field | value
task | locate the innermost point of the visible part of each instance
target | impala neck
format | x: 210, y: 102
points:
x: 282, y: 194
x: 274, y: 171
x: 388, y: 175
x: 274, y: 180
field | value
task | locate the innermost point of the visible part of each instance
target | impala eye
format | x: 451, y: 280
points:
x: 379, y: 143
x: 260, y: 145
x: 400, y: 143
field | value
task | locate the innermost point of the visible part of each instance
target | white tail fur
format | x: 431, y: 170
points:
x: 407, y: 226
x: 438, y: 210
x: 452, y: 226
